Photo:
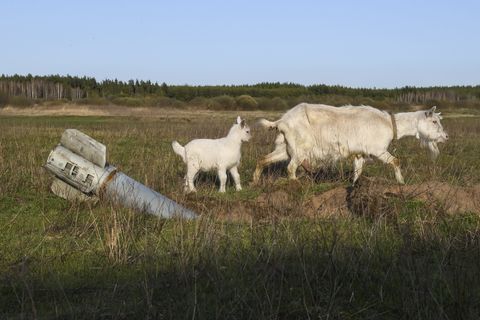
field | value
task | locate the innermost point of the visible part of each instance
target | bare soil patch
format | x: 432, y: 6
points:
x: 377, y: 193
x: 370, y: 197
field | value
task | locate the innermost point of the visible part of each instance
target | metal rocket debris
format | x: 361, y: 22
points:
x: 79, y: 164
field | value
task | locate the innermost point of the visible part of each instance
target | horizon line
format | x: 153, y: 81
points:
x: 244, y: 84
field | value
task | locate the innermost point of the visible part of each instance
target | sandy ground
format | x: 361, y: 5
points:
x: 371, y: 197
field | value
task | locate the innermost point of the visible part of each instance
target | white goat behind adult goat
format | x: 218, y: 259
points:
x: 214, y: 154
x: 313, y: 134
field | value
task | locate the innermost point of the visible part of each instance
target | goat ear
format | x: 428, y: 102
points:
x: 430, y: 112
x: 242, y: 124
x: 239, y: 120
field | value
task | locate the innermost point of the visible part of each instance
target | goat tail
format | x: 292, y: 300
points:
x: 267, y: 124
x: 178, y: 149
x: 284, y: 132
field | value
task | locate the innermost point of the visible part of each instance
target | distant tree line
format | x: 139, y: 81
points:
x: 26, y: 90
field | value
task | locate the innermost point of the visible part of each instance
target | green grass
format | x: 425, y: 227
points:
x: 66, y: 260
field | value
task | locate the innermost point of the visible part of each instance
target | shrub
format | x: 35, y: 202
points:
x: 273, y: 104
x: 246, y: 102
x: 165, y: 102
x: 225, y: 102
x: 20, y: 101
x: 94, y: 101
x: 129, y: 101
x: 199, y: 103
x: 3, y: 100
x: 213, y: 104
x: 56, y: 102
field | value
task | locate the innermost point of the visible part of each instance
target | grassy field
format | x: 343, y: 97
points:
x: 67, y: 260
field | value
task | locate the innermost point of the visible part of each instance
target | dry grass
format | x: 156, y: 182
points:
x: 259, y: 253
x: 122, y: 111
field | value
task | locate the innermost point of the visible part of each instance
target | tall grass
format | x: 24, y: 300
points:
x: 71, y: 260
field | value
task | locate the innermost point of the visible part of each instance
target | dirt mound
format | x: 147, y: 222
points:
x: 369, y: 197
x: 377, y: 196
x: 372, y: 197
x: 275, y: 204
x: 279, y: 203
x: 329, y: 203
x: 451, y: 198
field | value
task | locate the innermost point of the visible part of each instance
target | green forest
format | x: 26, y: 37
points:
x: 28, y: 90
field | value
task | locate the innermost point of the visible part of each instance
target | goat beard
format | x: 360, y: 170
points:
x: 432, y: 148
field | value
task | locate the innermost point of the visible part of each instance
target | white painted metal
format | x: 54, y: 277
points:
x: 79, y: 165
x: 132, y: 194
x: 86, y: 147
x: 67, y: 192
x: 76, y: 170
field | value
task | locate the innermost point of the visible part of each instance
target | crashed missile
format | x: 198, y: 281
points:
x: 82, y: 173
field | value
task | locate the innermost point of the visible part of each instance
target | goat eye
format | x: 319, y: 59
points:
x: 435, y: 122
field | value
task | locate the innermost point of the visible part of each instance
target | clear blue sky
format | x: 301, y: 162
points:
x: 351, y: 43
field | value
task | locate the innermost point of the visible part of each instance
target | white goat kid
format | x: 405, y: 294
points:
x: 310, y: 135
x: 214, y: 154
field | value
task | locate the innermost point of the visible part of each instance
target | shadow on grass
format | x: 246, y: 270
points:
x: 333, y: 269
x: 330, y: 173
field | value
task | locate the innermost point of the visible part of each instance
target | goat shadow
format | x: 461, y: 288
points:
x: 332, y: 173
x: 210, y: 178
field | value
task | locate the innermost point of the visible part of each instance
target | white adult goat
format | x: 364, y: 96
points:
x: 214, y: 154
x: 312, y: 134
